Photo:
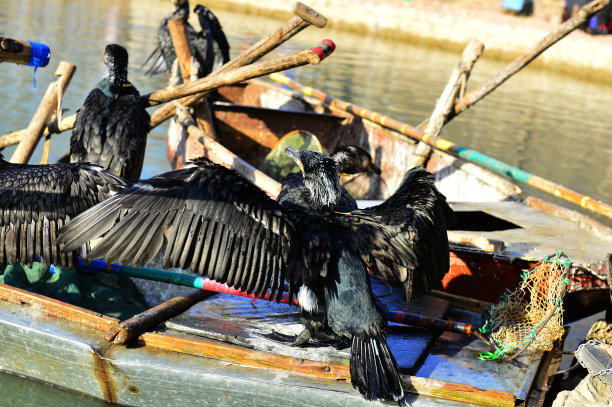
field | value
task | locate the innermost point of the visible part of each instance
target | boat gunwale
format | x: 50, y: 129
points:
x: 202, y: 347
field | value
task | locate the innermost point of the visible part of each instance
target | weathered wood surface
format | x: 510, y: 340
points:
x: 176, y: 26
x: 75, y: 356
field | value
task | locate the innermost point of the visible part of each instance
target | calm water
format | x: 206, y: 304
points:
x: 551, y: 125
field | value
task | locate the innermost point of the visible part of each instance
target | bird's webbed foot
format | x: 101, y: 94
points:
x: 303, y: 339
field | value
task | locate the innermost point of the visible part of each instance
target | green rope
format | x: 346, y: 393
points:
x: 487, y: 328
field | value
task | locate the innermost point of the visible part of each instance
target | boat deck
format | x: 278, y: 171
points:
x: 229, y: 351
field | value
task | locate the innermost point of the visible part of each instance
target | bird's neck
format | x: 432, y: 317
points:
x: 115, y: 83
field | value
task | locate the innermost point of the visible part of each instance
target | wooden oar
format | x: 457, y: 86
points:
x: 583, y: 15
x: 304, y: 17
x: 202, y: 283
x: 445, y: 145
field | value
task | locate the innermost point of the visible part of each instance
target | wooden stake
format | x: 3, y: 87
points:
x: 446, y: 102
x: 132, y: 328
x: 181, y: 46
x: 47, y: 106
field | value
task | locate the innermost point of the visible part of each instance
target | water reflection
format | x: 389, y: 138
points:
x: 546, y: 123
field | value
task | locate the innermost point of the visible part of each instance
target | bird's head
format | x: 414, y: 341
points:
x: 351, y: 159
x: 320, y: 176
x: 201, y: 9
x: 116, y: 61
x: 182, y: 8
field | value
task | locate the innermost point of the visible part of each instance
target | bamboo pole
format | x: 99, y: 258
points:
x: 47, y: 106
x: 519, y: 63
x: 305, y: 16
x: 445, y: 145
x: 202, y: 283
x: 217, y: 153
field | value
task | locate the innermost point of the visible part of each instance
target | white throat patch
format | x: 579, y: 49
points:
x: 307, y: 299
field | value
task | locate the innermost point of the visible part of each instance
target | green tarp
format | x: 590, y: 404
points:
x: 111, y: 295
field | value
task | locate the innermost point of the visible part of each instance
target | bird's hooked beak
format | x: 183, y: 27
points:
x: 373, y: 169
x: 295, y: 154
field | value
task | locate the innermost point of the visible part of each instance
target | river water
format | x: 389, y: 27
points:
x: 552, y: 125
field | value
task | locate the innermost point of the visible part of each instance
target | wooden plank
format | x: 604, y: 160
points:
x: 247, y: 357
x: 57, y: 308
x: 458, y: 392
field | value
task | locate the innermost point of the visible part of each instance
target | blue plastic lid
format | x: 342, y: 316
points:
x: 40, y: 54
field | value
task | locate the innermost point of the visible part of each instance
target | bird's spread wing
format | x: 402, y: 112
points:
x: 155, y: 63
x: 36, y: 201
x: 216, y: 223
x: 404, y: 240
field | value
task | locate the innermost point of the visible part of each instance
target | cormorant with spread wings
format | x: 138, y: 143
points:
x: 209, y: 46
x: 221, y: 226
x: 37, y: 200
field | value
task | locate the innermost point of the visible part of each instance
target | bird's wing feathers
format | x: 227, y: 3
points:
x: 126, y: 130
x: 155, y: 63
x: 217, y: 223
x: 89, y: 129
x: 37, y: 201
x: 404, y: 239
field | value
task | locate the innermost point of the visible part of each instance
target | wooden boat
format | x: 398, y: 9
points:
x: 226, y: 350
x: 223, y: 352
x: 499, y: 233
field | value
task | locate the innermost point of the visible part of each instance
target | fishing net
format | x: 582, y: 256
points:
x: 531, y: 316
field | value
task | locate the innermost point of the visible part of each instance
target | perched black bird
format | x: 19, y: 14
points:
x: 112, y: 125
x: 208, y: 46
x: 217, y: 47
x: 350, y: 159
x: 222, y: 226
x: 37, y: 200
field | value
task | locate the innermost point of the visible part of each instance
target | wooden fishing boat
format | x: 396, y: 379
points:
x: 227, y: 350
x: 499, y: 233
x: 223, y: 351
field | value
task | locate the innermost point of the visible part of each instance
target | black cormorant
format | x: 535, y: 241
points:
x: 209, y: 46
x: 112, y: 125
x: 222, y: 226
x: 350, y: 159
x: 37, y: 200
x: 217, y: 47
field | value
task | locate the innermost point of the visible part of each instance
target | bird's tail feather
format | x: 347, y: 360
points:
x: 374, y: 370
